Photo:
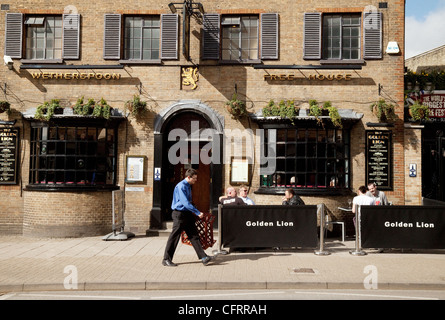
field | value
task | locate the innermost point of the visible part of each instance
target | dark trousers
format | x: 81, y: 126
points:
x: 183, y: 221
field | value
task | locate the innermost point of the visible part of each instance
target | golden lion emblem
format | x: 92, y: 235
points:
x: 190, y: 77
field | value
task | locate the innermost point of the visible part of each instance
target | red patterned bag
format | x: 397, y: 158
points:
x: 205, y: 231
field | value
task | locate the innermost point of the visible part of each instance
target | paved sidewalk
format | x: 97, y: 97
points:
x: 28, y: 264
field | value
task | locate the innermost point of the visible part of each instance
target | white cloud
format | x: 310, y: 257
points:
x: 424, y: 34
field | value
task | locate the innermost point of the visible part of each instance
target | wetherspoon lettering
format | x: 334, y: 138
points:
x: 75, y: 76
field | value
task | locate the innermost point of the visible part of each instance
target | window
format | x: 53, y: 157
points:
x: 43, y: 37
x: 341, y: 37
x: 142, y: 38
x: 239, y: 38
x: 72, y: 157
x: 309, y: 158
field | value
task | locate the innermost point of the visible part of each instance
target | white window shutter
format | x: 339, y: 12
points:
x: 269, y: 36
x: 112, y: 36
x: 312, y: 36
x: 211, y: 36
x: 71, y: 34
x: 372, y: 39
x: 169, y: 36
x: 14, y: 35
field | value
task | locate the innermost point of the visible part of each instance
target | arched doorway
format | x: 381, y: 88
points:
x: 187, y: 119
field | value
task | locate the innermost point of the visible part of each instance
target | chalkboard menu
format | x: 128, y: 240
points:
x: 379, y: 159
x: 9, y: 148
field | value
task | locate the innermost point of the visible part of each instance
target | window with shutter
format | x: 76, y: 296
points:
x: 71, y: 31
x: 112, y: 36
x: 240, y: 39
x: 14, y: 35
x: 372, y: 29
x: 44, y: 38
x: 211, y: 37
x: 269, y: 36
x: 312, y: 36
x: 142, y: 38
x: 169, y: 36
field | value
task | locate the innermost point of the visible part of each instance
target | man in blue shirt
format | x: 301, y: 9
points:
x: 184, y: 216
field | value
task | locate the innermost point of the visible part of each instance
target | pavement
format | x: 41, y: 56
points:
x: 29, y: 264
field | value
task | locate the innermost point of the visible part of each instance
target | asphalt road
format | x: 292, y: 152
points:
x: 230, y: 295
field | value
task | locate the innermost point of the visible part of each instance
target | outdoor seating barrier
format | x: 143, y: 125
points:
x: 402, y: 227
x: 270, y: 227
x: 357, y: 251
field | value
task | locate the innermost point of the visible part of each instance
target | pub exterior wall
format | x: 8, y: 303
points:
x: 160, y: 86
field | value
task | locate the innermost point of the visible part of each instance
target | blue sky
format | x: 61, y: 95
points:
x: 425, y: 25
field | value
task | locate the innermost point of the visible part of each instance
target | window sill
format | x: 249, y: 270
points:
x: 140, y: 62
x: 343, y: 62
x: 304, y: 191
x: 42, y: 61
x: 238, y: 62
x: 69, y: 188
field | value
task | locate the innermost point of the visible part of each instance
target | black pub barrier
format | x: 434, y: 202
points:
x: 403, y: 227
x: 268, y: 226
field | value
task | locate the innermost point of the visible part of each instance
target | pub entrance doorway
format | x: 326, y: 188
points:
x: 201, y: 132
x: 175, y: 164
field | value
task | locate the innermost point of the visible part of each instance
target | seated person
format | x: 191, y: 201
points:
x: 231, y: 198
x: 291, y: 199
x: 243, y: 191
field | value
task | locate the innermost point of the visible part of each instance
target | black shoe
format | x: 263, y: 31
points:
x: 168, y: 263
x: 206, y: 260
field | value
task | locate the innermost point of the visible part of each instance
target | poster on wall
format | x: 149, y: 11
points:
x: 379, y: 159
x: 135, y: 169
x: 9, y: 150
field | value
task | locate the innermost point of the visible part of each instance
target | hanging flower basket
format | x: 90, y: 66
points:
x: 4, y: 106
x: 236, y: 108
x: 419, y: 112
x: 385, y: 112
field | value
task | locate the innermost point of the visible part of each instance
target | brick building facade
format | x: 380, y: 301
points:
x: 280, y: 50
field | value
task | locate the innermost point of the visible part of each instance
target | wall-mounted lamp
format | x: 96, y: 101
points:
x: 190, y: 8
x: 172, y: 7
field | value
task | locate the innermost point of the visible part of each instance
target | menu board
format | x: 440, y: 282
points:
x: 9, y: 140
x: 379, y: 159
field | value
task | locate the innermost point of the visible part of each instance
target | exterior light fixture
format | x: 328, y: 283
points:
x: 172, y: 7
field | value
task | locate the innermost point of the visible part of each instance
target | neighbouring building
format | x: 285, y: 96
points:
x: 425, y: 85
x: 64, y: 151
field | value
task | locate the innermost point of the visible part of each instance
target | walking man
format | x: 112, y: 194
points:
x: 184, y: 216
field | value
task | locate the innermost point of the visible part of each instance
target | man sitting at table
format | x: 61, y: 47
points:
x: 231, y: 198
x: 291, y: 198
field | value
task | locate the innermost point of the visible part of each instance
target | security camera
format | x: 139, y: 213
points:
x: 8, y: 62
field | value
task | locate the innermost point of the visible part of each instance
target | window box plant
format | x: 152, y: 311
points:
x: 419, y: 112
x: 236, y: 107
x: 333, y: 114
x: 384, y: 111
x: 285, y: 110
x: 102, y: 109
x: 84, y: 109
x: 46, y: 110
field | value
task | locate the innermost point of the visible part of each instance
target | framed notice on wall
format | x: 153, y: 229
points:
x: 239, y: 171
x: 9, y: 155
x: 134, y: 172
x: 379, y: 159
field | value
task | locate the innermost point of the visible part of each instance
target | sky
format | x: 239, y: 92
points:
x: 424, y: 26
